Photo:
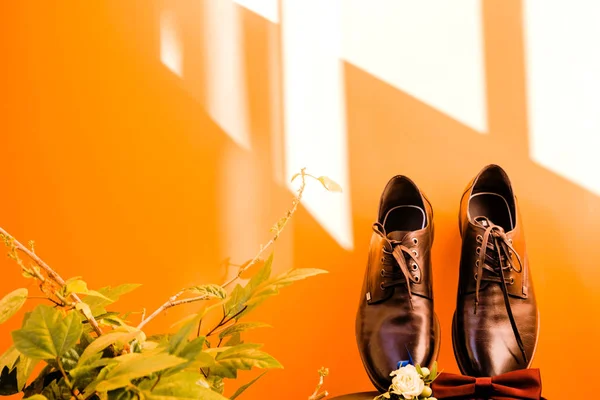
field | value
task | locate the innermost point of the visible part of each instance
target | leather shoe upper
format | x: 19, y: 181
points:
x: 495, y: 325
x: 395, y: 319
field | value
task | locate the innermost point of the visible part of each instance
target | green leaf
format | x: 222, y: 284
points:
x: 9, y: 358
x: 48, y: 334
x: 97, y: 303
x: 292, y: 275
x: 210, y: 291
x: 135, y: 365
x: 418, y: 368
x: 434, y: 371
x: 244, y: 299
x: 182, y: 386
x: 235, y: 339
x: 85, y: 309
x: 76, y: 286
x: 241, y: 327
x: 240, y: 295
x: 57, y: 390
x: 25, y: 369
x: 94, y: 293
x: 103, y: 342
x: 196, y: 357
x: 272, y: 286
x: 237, y: 300
x: 243, y: 388
x: 261, y: 276
x: 11, y: 303
x: 37, y: 385
x: 329, y: 184
x: 242, y: 357
x: 115, y: 293
x: 193, y: 351
x: 216, y: 383
x: 179, y: 340
x: 100, y: 377
x: 84, y: 375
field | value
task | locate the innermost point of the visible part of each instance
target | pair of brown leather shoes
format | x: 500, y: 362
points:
x: 495, y: 325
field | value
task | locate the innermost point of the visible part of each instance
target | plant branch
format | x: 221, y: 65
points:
x: 170, y: 303
x: 51, y: 273
x: 323, y: 372
x: 66, y: 377
x: 278, y: 228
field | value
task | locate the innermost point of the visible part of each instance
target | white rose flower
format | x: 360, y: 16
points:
x: 407, y: 382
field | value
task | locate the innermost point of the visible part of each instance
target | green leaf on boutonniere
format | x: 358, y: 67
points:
x: 434, y: 371
x: 419, y: 371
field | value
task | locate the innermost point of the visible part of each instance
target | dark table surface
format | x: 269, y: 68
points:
x: 357, y: 396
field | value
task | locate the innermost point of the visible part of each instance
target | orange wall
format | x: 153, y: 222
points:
x: 117, y: 172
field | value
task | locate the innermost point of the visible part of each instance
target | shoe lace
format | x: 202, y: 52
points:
x: 495, y: 255
x: 395, y: 253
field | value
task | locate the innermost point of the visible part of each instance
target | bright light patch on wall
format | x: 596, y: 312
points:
x: 225, y: 79
x: 563, y: 85
x: 430, y: 49
x: 268, y: 9
x: 171, y: 53
x: 314, y: 108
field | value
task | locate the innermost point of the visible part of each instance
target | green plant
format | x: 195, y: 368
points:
x: 87, y: 351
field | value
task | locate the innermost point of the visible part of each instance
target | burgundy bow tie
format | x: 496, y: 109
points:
x: 525, y: 384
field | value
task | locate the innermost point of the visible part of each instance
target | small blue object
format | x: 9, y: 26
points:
x: 404, y: 363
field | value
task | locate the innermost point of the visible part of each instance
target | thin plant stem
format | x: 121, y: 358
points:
x: 66, y: 377
x: 173, y: 300
x: 51, y: 273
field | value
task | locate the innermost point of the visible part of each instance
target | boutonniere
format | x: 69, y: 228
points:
x: 411, y: 382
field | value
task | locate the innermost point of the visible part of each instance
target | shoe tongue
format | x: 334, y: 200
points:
x: 483, y: 221
x: 397, y: 235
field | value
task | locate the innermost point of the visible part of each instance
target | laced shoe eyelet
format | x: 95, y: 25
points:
x: 417, y: 279
x: 479, y: 238
x: 478, y: 250
x: 382, y: 272
x: 381, y: 286
x: 416, y: 253
x: 477, y: 263
x: 511, y: 281
x: 415, y: 241
x: 415, y: 267
x: 510, y: 241
x: 475, y: 276
x: 382, y: 259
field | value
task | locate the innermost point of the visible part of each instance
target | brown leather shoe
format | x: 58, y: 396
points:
x: 395, y: 314
x: 495, y: 326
